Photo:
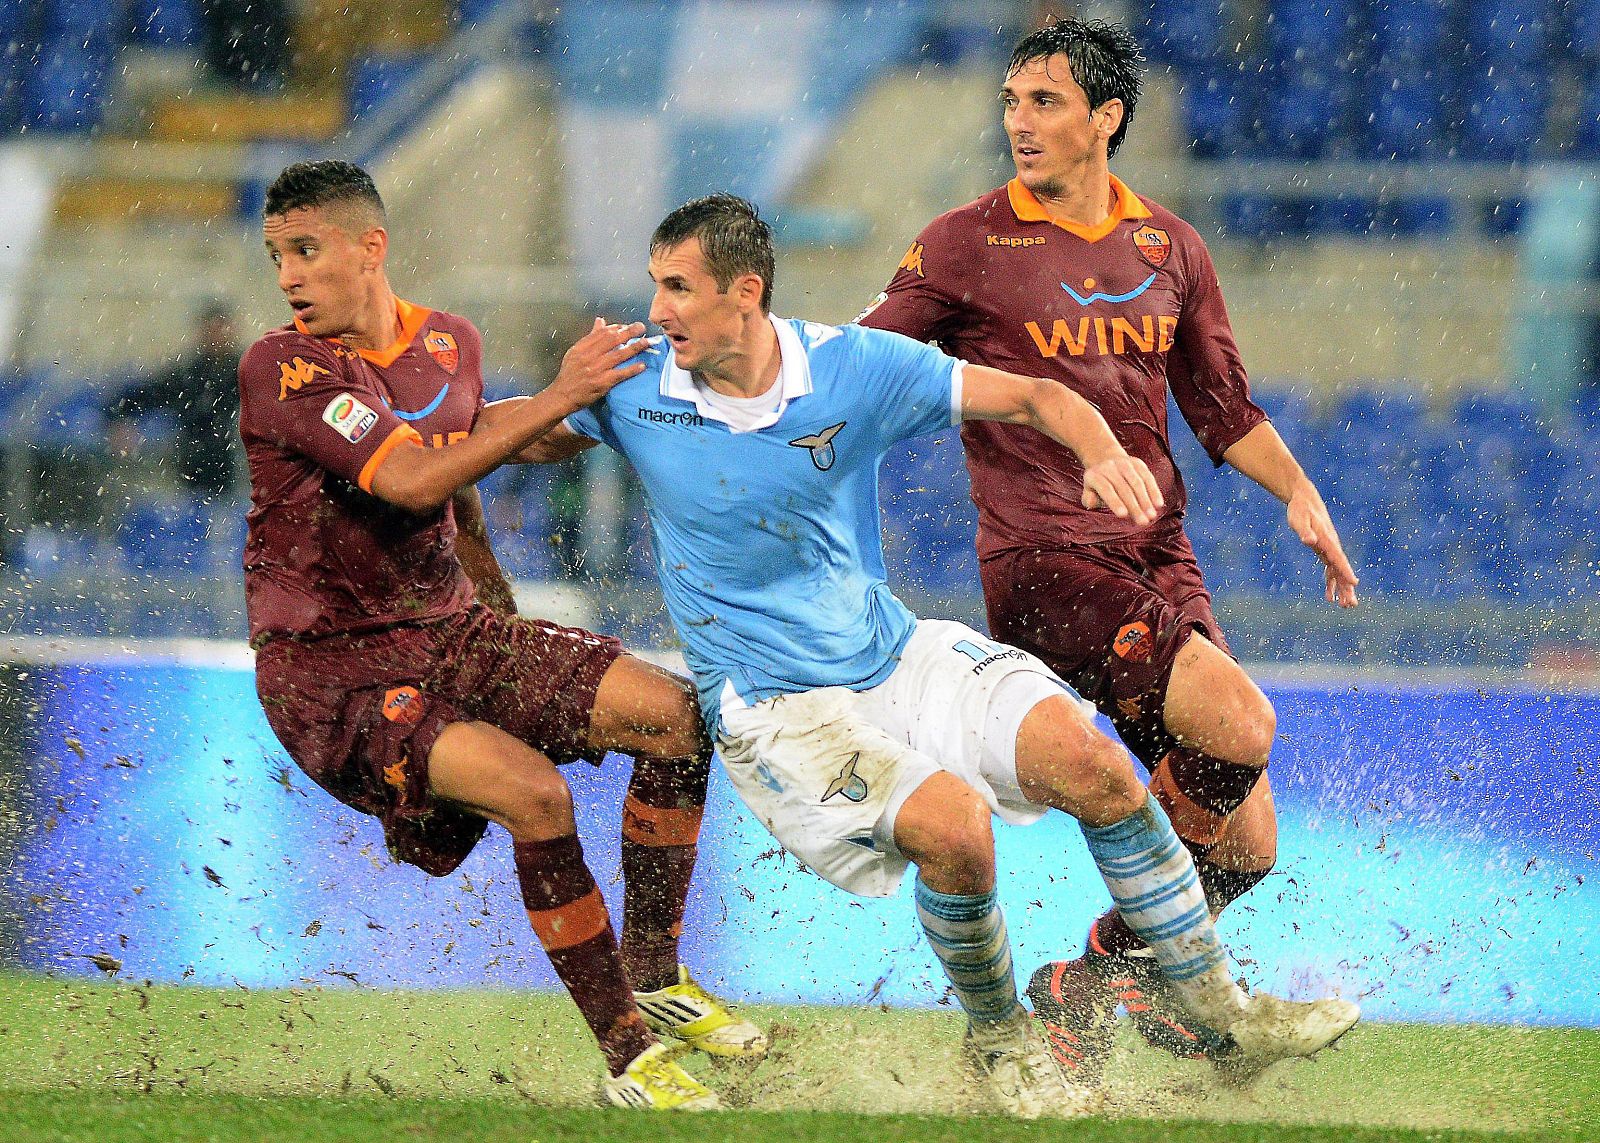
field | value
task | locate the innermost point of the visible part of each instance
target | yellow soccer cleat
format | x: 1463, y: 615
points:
x: 687, y: 1012
x: 655, y: 1081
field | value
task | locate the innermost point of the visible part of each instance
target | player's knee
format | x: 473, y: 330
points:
x: 1105, y: 787
x: 537, y: 806
x: 686, y: 740
x: 1258, y: 727
x: 957, y: 855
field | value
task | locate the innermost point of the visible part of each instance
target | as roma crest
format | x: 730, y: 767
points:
x: 1153, y: 244
x: 443, y: 348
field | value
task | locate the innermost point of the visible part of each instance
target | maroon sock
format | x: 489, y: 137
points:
x: 1213, y: 783
x: 660, y: 833
x: 569, y: 916
x: 1225, y: 886
x: 1110, y: 935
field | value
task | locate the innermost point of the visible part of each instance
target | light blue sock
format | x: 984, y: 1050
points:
x: 968, y: 935
x: 1156, y: 889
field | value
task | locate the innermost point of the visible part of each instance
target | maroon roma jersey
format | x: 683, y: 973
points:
x: 324, y: 555
x: 1117, y: 312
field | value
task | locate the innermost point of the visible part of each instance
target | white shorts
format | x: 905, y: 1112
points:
x: 827, y: 770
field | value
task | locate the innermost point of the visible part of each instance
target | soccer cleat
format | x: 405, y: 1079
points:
x: 1077, y: 1014
x: 1154, y: 1008
x: 687, y: 1012
x: 654, y: 1080
x: 1021, y: 1072
x: 1273, y: 1029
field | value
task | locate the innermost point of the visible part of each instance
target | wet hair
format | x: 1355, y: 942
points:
x: 1105, y: 61
x: 333, y: 183
x: 733, y: 239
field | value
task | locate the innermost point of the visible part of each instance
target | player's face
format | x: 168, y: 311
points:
x: 1049, y: 122
x: 703, y: 323
x: 322, y: 269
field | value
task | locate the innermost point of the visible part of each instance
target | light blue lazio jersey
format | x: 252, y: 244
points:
x: 767, y: 540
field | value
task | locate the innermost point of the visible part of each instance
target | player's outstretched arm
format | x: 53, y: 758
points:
x: 560, y: 443
x: 1111, y: 478
x: 1262, y: 456
x: 421, y: 479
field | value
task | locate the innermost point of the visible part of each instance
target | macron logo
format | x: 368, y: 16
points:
x: 659, y: 417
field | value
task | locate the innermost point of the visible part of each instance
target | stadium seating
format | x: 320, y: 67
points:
x: 1307, y: 113
x: 1504, y: 108
x: 1408, y: 31
x: 1219, y: 111
x: 166, y: 23
x: 1408, y: 111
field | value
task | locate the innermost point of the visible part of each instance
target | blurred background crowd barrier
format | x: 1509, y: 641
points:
x: 1401, y: 198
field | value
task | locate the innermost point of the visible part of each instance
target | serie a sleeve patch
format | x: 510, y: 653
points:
x: 349, y: 417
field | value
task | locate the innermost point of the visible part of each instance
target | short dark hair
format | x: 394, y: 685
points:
x: 1104, y: 57
x: 324, y: 182
x: 733, y: 239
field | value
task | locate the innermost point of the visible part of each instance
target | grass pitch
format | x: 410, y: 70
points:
x: 120, y: 1061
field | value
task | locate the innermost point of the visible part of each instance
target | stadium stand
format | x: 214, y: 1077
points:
x: 1325, y: 147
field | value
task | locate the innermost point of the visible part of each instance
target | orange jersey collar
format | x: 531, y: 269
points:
x: 411, y: 319
x: 1124, y: 205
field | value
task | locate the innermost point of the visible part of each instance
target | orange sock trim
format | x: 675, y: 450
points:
x: 572, y: 923
x: 1190, y: 820
x: 644, y: 824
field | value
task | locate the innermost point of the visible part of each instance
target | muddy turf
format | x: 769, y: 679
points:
x: 120, y: 1060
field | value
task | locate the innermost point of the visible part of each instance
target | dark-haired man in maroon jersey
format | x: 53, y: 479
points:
x: 396, y: 686
x: 1067, y: 273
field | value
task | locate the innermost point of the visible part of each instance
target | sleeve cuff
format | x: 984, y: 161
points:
x: 402, y: 434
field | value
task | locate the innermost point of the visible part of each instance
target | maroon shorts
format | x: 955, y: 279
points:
x: 360, y: 713
x: 1109, y: 619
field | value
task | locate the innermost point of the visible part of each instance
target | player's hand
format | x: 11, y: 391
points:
x: 1125, y: 485
x: 1309, y: 518
x: 599, y: 361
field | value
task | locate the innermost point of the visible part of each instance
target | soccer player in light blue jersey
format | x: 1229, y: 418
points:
x: 863, y: 738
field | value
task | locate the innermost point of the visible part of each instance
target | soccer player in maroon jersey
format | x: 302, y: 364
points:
x: 1065, y: 272
x: 389, y: 659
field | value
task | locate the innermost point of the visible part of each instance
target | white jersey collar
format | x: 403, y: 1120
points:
x: 794, y: 380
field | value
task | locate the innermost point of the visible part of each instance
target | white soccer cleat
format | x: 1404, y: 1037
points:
x: 687, y: 1012
x: 655, y: 1081
x: 1274, y: 1029
x: 1022, y: 1075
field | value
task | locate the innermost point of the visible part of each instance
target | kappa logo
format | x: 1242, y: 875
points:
x: 821, y: 445
x: 396, y: 775
x: 1133, y: 643
x: 443, y: 348
x: 349, y: 417
x: 403, y: 705
x: 1154, y: 244
x: 1014, y: 243
x: 295, y: 375
x: 848, y: 782
x: 913, y: 260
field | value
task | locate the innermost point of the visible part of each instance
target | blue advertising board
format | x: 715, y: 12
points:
x: 1437, y: 859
